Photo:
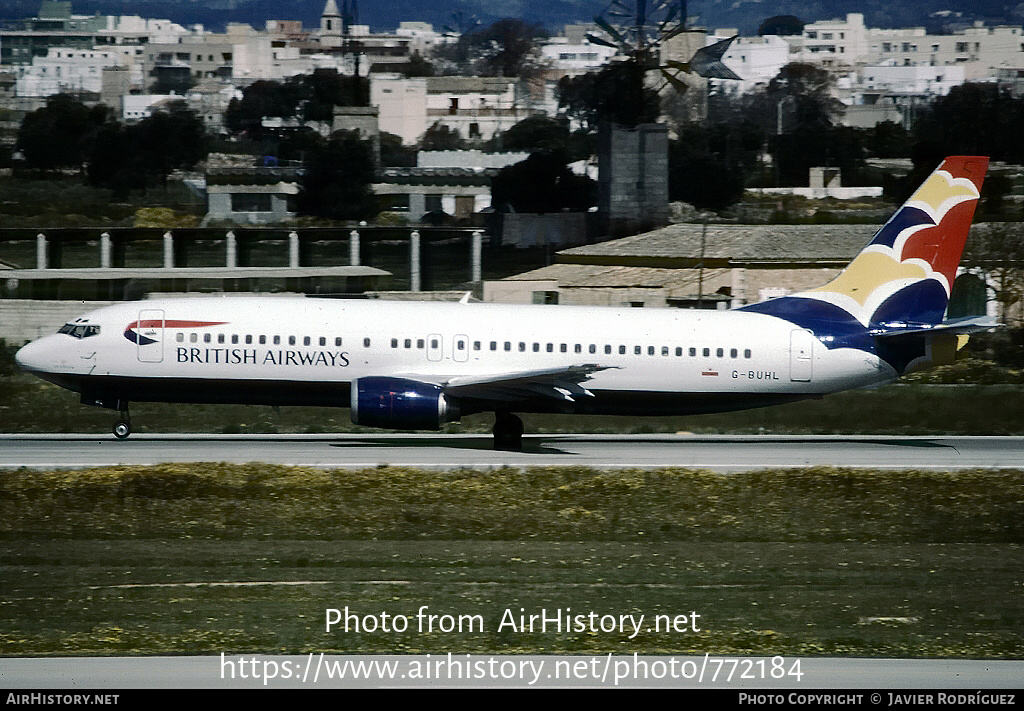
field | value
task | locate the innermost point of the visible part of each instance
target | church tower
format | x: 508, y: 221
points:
x: 331, y: 25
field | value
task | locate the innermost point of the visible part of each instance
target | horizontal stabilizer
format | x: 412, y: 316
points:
x: 958, y: 326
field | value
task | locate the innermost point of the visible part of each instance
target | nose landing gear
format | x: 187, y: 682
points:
x: 123, y: 426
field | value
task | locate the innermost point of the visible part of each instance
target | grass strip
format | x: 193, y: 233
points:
x: 205, y: 558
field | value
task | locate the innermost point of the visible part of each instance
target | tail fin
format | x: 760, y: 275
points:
x: 901, y: 281
x: 905, y: 274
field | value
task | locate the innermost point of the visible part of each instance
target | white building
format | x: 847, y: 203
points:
x: 22, y: 41
x: 136, y: 107
x: 981, y: 51
x: 422, y: 36
x: 925, y: 79
x: 65, y: 70
x: 834, y: 42
x: 756, y: 60
x: 402, y: 103
x: 477, y: 107
x: 569, y: 59
x: 241, y: 54
x: 132, y: 29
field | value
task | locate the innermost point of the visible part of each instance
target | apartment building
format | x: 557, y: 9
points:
x: 566, y: 58
x: 57, y: 27
x: 477, y: 107
x: 834, y: 42
x: 65, y: 70
x: 755, y: 60
x: 980, y: 50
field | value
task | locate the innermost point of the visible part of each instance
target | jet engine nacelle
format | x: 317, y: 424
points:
x: 399, y: 404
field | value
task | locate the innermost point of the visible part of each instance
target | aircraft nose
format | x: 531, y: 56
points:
x: 34, y: 356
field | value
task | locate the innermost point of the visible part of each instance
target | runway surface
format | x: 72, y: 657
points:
x: 717, y: 452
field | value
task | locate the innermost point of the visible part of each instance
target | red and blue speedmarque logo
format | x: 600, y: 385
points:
x: 132, y: 331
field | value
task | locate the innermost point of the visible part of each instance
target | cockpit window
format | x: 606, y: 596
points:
x: 79, y: 330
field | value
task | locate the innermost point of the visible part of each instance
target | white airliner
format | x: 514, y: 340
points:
x: 418, y: 365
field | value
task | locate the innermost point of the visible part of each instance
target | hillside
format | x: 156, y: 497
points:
x: 744, y: 14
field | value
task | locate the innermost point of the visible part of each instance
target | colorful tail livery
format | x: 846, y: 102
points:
x: 892, y: 298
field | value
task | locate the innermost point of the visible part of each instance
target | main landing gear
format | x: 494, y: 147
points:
x: 508, y: 432
x: 123, y: 426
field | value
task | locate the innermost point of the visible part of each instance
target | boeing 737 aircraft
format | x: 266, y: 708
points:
x: 418, y: 365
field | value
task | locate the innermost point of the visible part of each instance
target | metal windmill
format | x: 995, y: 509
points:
x: 461, y: 24
x: 639, y: 28
x: 349, y: 17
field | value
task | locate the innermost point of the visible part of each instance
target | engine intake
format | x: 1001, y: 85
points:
x: 399, y: 404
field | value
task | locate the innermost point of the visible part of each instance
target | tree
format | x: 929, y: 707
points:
x: 925, y: 157
x: 337, y: 180
x: 326, y: 88
x: 310, y: 97
x: 61, y: 134
x: 540, y: 184
x: 394, y: 153
x: 798, y: 110
x: 299, y: 145
x: 808, y: 91
x: 125, y: 157
x: 781, y: 25
x: 888, y: 140
x: 975, y: 119
x: 417, y: 66
x: 260, y: 99
x: 509, y: 47
x: 440, y: 137
x: 705, y: 182
x: 616, y: 93
x: 534, y: 133
x: 705, y: 166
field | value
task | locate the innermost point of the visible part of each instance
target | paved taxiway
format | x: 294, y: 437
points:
x: 718, y: 452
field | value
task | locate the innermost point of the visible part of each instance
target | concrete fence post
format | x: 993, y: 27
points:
x: 293, y: 250
x: 105, y: 260
x: 353, y: 248
x: 232, y: 250
x: 168, y: 250
x: 476, y: 268
x: 414, y: 261
x: 41, y: 262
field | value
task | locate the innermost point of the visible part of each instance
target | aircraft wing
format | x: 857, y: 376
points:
x: 562, y: 384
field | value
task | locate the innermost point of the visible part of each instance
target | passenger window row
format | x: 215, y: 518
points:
x: 248, y: 339
x: 507, y: 346
x: 535, y: 347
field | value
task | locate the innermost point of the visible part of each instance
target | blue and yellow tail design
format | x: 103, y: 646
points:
x: 892, y: 298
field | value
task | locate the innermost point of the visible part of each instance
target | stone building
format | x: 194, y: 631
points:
x: 690, y: 265
x: 719, y: 266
